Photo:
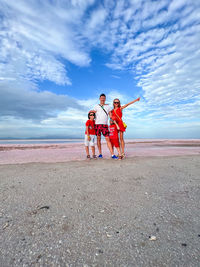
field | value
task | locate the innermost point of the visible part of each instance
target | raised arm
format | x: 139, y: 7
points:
x: 138, y: 99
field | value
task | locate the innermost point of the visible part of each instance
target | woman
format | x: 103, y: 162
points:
x: 117, y: 116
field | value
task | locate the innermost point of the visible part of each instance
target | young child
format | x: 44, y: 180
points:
x: 90, y: 135
x: 114, y: 138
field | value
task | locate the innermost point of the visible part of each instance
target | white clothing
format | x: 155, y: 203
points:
x: 91, y: 142
x: 101, y: 117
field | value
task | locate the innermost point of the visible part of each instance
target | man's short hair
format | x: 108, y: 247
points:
x: 102, y: 95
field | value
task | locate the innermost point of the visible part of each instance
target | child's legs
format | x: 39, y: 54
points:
x: 92, y: 144
x: 86, y: 145
x: 93, y: 150
x: 122, y: 144
x: 87, y: 150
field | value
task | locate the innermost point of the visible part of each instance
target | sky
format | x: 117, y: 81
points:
x: 58, y: 56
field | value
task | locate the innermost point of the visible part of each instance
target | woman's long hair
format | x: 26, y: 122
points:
x: 119, y: 103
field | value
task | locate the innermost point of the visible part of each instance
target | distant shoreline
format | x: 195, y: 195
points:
x: 80, y: 140
x: 12, y: 153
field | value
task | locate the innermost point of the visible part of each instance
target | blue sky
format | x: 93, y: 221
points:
x: 56, y: 57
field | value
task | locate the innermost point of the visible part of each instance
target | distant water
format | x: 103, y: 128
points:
x: 40, y: 141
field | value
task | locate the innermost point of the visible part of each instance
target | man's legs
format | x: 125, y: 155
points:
x: 109, y: 145
x: 99, y: 144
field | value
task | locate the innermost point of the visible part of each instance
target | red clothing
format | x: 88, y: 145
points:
x: 114, y: 138
x: 90, y: 125
x: 117, y: 116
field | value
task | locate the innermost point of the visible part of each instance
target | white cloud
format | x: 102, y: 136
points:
x: 97, y: 18
x: 32, y: 104
x: 166, y: 59
x: 176, y: 4
x: 35, y: 34
x: 156, y: 40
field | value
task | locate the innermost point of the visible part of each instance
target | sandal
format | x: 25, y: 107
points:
x: 123, y: 155
x: 120, y: 157
x: 88, y: 156
x: 94, y: 157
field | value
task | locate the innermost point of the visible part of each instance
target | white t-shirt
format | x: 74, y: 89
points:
x: 101, y: 117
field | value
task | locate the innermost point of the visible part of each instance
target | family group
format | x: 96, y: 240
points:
x: 97, y: 125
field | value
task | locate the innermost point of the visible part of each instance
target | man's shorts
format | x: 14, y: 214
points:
x: 91, y: 142
x: 101, y: 129
x: 114, y: 142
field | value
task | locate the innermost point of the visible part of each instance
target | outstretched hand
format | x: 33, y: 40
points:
x: 138, y: 99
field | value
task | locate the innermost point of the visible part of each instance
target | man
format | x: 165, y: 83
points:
x: 102, y: 111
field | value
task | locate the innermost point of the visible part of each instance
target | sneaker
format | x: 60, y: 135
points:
x: 114, y: 157
x: 88, y: 156
x: 100, y: 156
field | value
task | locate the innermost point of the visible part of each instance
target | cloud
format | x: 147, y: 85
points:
x: 34, y: 35
x: 156, y: 41
x: 21, y: 102
x: 159, y: 48
x: 64, y: 124
x: 97, y: 18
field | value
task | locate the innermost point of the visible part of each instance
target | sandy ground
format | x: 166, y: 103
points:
x: 12, y: 154
x: 101, y: 213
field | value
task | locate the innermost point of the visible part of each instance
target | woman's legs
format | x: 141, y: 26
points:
x: 122, y: 144
x: 119, y: 152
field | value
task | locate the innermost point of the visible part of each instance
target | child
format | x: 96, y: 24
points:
x: 90, y: 135
x: 114, y: 138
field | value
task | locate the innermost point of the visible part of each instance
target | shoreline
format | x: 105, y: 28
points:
x: 66, y: 152
x: 103, y: 161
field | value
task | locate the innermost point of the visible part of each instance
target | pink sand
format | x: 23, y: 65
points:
x: 12, y: 154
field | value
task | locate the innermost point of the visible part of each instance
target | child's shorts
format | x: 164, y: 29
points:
x: 114, y: 142
x: 91, y: 142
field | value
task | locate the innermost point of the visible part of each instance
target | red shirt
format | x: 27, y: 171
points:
x: 113, y: 132
x: 90, y: 125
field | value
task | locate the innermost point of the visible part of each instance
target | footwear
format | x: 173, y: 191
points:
x: 88, y: 156
x: 94, y: 157
x: 100, y: 156
x: 114, y: 157
x: 120, y: 157
x: 123, y: 155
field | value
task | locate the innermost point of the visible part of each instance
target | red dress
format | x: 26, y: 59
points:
x: 117, y: 116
